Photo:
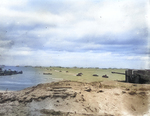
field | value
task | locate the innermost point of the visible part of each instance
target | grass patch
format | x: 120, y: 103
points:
x: 70, y: 74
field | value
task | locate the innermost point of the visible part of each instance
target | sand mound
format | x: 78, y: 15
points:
x: 68, y: 98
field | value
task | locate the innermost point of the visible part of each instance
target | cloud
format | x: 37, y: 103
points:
x: 15, y: 3
x: 91, y: 26
x: 5, y: 45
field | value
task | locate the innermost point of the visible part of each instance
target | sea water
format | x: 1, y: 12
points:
x: 31, y: 76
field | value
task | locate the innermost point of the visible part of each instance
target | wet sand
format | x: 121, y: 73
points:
x: 71, y: 98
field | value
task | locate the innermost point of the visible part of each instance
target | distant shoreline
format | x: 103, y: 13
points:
x: 2, y: 91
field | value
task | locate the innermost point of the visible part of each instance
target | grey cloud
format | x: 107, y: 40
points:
x: 14, y: 27
x: 73, y: 27
x: 126, y: 38
x: 53, y: 6
x: 125, y: 43
x: 6, y: 44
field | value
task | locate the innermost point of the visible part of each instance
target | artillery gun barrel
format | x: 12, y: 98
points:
x: 136, y: 76
x: 118, y: 73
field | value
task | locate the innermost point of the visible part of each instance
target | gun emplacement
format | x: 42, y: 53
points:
x: 118, y: 73
x: 136, y: 76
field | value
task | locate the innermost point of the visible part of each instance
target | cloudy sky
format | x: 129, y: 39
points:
x: 84, y: 33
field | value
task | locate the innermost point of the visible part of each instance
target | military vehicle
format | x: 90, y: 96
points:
x: 136, y: 76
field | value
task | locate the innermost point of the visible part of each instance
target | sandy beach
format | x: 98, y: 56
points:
x: 71, y: 98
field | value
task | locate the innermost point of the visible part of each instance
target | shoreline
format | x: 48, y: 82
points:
x: 2, y: 91
x: 59, y: 74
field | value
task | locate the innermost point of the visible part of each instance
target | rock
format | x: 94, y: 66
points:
x: 57, y: 101
x: 87, y: 89
x: 16, y: 103
x: 49, y: 89
x: 52, y: 112
x: 2, y: 114
x: 127, y: 89
x: 1, y: 94
x: 123, y: 91
x: 132, y: 92
x: 64, y: 87
x: 60, y: 95
x: 142, y: 93
x: 74, y: 94
x: 100, y: 91
x: 117, y: 94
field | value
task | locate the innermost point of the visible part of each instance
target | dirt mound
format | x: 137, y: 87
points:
x: 72, y: 98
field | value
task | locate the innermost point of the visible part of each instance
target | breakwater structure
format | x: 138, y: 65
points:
x: 9, y: 72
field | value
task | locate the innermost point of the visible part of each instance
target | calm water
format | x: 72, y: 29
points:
x: 30, y: 77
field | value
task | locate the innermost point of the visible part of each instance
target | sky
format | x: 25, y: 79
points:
x: 68, y: 33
